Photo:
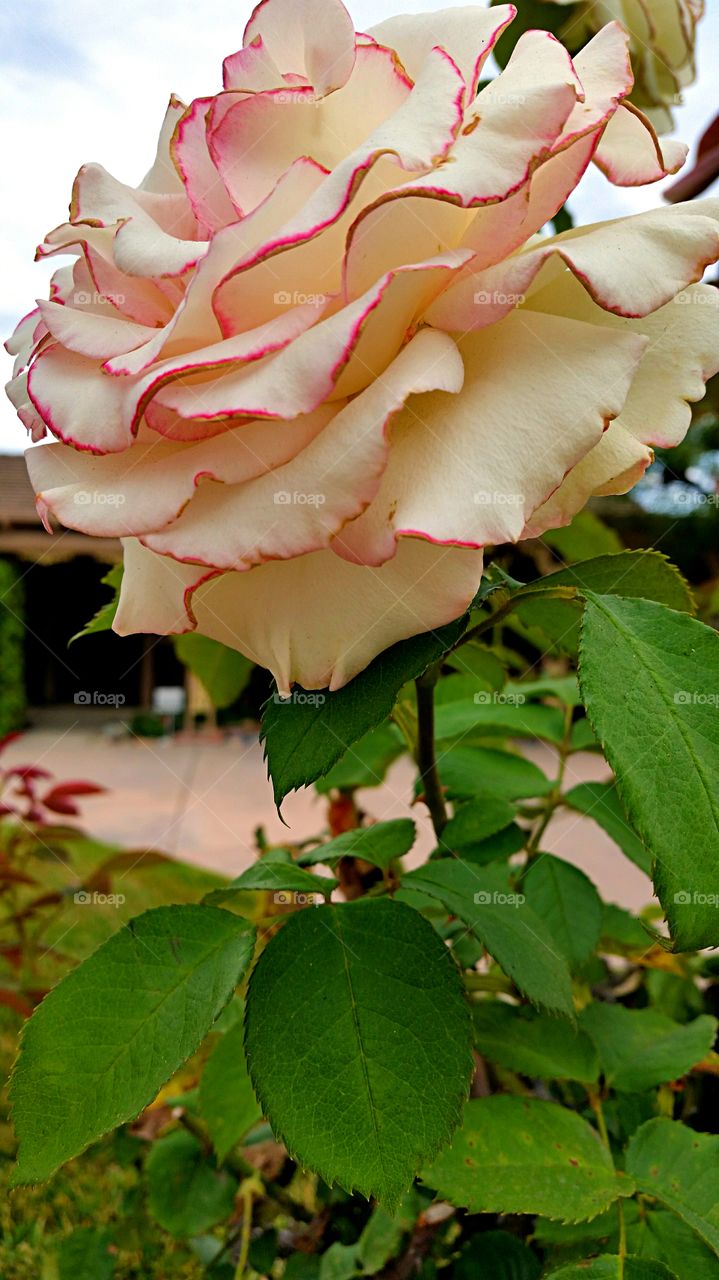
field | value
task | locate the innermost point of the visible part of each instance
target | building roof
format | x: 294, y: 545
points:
x: 21, y: 531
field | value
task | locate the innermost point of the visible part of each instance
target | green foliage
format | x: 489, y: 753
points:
x: 223, y: 672
x: 226, y: 1098
x: 680, y: 1169
x: 566, y: 900
x: 12, y: 658
x: 379, y: 844
x: 187, y: 1193
x: 120, y: 1025
x: 614, y: 1267
x: 335, y: 1030
x: 85, y: 1255
x: 525, y: 1040
x: 105, y: 616
x: 652, y: 710
x: 600, y: 801
x: 639, y: 1048
x: 518, y: 1155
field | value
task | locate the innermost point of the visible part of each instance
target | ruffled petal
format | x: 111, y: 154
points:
x: 314, y: 38
x: 630, y: 154
x: 472, y: 473
x: 468, y: 34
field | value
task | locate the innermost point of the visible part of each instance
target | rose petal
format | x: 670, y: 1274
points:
x: 314, y: 38
x: 468, y: 34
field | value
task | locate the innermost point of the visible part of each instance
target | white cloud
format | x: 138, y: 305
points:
x: 88, y: 82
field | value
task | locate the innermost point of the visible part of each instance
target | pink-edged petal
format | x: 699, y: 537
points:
x: 420, y: 132
x: 289, y: 122
x: 471, y: 473
x: 630, y: 154
x: 512, y: 125
x: 17, y: 393
x: 147, y: 487
x: 299, y: 507
x: 682, y: 354
x: 318, y: 621
x: 613, y: 466
x: 163, y: 177
x: 21, y: 341
x: 251, y: 69
x: 468, y: 34
x: 605, y: 70
x: 77, y: 402
x: 314, y: 38
x: 205, y: 189
x: 630, y: 266
x: 92, y: 332
x: 153, y: 593
x: 337, y: 356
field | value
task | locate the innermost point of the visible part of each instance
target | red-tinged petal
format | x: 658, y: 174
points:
x: 251, y: 69
x: 472, y: 472
x: 314, y: 38
x: 93, y: 331
x: 205, y: 189
x: 630, y: 266
x: 163, y: 177
x: 146, y: 488
x: 630, y: 154
x: 298, y: 507
x: 613, y: 466
x: 78, y: 403
x: 153, y: 593
x: 468, y: 34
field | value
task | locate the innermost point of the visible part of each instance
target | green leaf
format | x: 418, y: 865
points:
x: 509, y: 715
x: 474, y: 659
x: 621, y: 930
x: 587, y: 536
x: 222, y: 671
x: 532, y: 1043
x: 646, y: 575
x: 496, y: 848
x: 498, y: 1255
x: 473, y: 771
x: 568, y: 903
x: 633, y: 574
x: 520, y: 1155
x: 600, y: 801
x: 661, y: 1235
x: 382, y: 1237
x: 186, y: 1193
x: 358, y: 1042
x: 612, y: 1267
x: 504, y: 923
x: 275, y: 876
x: 662, y: 741
x: 379, y: 844
x: 103, y: 1042
x: 366, y: 762
x: 304, y: 739
x: 477, y: 821
x: 84, y: 1255
x: 641, y: 1048
x: 105, y: 616
x: 680, y: 1168
x: 339, y: 1262
x: 227, y: 1100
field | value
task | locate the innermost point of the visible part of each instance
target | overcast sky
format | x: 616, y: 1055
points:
x: 90, y: 82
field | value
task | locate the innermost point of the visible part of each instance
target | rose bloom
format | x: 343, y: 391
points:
x: 322, y: 356
x: 662, y: 39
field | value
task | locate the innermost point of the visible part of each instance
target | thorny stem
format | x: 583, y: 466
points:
x: 426, y: 758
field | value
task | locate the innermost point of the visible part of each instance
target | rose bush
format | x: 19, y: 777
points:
x: 662, y: 43
x: 320, y: 357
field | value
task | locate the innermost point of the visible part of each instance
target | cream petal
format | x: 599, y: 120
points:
x: 468, y: 34
x: 314, y: 38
